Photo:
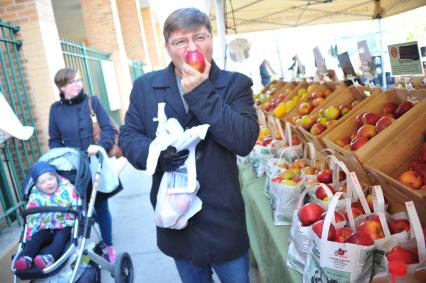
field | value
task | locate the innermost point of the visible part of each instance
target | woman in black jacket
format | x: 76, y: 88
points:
x: 70, y: 125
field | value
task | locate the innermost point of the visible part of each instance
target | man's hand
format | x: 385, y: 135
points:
x: 170, y: 160
x: 191, y: 78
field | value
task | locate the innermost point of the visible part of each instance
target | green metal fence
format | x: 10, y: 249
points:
x: 136, y: 69
x: 16, y: 156
x: 88, y: 62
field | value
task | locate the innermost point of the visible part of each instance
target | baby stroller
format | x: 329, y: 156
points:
x: 74, y: 165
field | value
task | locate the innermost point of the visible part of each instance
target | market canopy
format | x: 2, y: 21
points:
x: 259, y: 15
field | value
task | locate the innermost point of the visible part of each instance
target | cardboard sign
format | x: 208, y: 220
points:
x: 367, y: 65
x: 319, y: 61
x: 346, y: 64
x: 405, y: 59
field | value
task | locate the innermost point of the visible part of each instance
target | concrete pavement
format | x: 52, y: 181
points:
x: 134, y: 230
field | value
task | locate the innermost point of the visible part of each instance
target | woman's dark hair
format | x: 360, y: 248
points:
x: 64, y: 76
x: 187, y: 19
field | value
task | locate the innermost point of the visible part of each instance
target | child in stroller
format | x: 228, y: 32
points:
x: 50, y: 228
x: 64, y: 259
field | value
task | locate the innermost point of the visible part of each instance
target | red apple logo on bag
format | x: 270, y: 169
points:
x: 340, y: 252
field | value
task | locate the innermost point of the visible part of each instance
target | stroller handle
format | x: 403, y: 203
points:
x: 100, y: 157
x: 35, y: 210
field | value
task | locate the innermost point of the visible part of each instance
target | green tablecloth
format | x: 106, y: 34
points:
x: 269, y: 243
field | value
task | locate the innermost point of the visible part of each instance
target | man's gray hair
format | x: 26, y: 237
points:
x: 188, y: 19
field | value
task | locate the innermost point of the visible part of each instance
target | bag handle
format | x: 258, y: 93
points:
x: 92, y: 113
x: 379, y: 209
x: 309, y: 150
x: 328, y: 217
x: 278, y: 126
x: 416, y: 227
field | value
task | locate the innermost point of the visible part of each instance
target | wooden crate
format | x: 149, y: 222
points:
x: 345, y: 96
x: 355, y: 159
x: 393, y: 157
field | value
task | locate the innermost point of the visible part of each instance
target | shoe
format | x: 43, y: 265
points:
x: 43, y: 261
x: 111, y: 254
x: 23, y: 263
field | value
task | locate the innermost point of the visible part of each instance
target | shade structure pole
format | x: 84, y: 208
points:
x: 382, y: 55
x: 220, y: 21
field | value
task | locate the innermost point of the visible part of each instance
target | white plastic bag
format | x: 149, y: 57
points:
x: 177, y: 199
x: 108, y: 180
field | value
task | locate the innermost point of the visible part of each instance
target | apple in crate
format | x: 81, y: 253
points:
x: 305, y: 108
x: 332, y: 113
x: 358, y: 142
x: 307, y: 121
x: 367, y: 131
x: 342, y: 234
x: 411, y: 179
x: 317, y: 228
x: 370, y: 118
x: 384, y: 122
x: 277, y: 179
x: 317, y: 129
x: 389, y: 108
x: 196, y: 60
x: 345, y: 108
x: 310, y: 213
x: 403, y: 107
x: 399, y: 225
x: 358, y: 119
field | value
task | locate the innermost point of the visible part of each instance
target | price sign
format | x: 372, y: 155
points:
x: 368, y: 68
x: 319, y: 61
x: 346, y: 64
x: 405, y: 59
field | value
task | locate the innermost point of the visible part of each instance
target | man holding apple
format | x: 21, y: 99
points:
x: 197, y: 92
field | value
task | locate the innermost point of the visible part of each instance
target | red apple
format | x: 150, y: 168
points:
x: 342, y: 234
x: 310, y: 213
x: 358, y: 142
x: 320, y: 192
x: 317, y: 227
x: 367, y: 131
x: 384, y: 122
x: 424, y: 152
x: 402, y: 108
x: 337, y: 216
x: 358, y: 119
x: 196, y: 60
x: 402, y: 254
x: 277, y: 179
x: 411, y: 179
x: 399, y: 225
x: 370, y: 118
x: 372, y: 228
x: 359, y: 238
x: 420, y: 168
x: 317, y: 129
x: 325, y: 176
x: 343, y: 141
x: 356, y: 211
x: 389, y: 108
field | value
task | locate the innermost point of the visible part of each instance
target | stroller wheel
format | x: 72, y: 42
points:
x: 123, y: 269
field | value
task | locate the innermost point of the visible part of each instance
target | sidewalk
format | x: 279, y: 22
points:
x: 134, y: 230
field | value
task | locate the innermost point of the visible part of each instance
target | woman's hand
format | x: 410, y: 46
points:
x: 191, y: 78
x: 92, y: 149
